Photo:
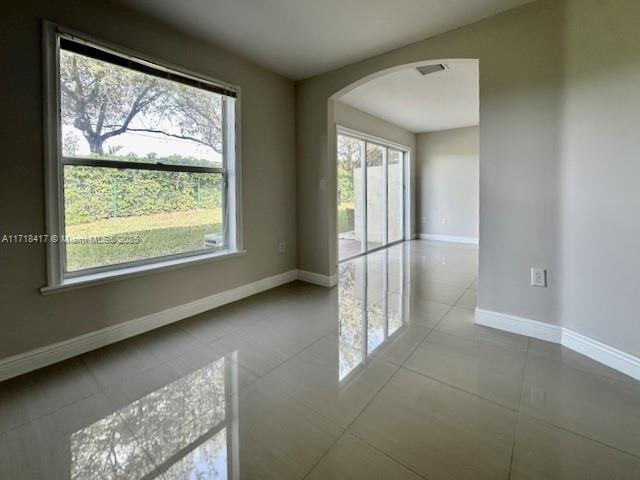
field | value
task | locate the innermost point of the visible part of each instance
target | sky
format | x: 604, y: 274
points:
x: 142, y: 143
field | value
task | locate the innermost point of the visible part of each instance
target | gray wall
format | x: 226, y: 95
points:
x: 448, y: 182
x: 600, y: 205
x: 559, y: 170
x: 559, y: 173
x: 520, y: 91
x: 29, y: 319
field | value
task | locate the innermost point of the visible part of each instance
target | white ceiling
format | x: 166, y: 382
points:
x: 301, y: 38
x: 438, y: 101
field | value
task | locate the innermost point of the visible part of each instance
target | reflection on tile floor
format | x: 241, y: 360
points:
x: 385, y: 376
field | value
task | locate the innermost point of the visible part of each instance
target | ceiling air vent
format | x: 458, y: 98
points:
x: 427, y: 69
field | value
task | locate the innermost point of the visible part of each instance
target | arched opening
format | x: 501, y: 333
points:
x: 390, y: 186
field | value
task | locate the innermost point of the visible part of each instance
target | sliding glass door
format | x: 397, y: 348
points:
x: 395, y: 195
x: 370, y: 194
x: 351, y: 208
x: 376, y: 193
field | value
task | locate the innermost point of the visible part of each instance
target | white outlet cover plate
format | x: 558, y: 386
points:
x: 538, y: 277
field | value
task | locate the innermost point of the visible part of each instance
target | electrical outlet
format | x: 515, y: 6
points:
x: 444, y: 220
x: 538, y: 277
x: 281, y: 247
x: 322, y: 184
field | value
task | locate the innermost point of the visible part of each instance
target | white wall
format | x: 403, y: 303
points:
x: 448, y: 182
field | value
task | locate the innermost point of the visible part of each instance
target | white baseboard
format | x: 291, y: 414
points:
x: 598, y: 351
x: 41, y: 357
x: 318, y: 279
x: 520, y: 325
x: 449, y: 238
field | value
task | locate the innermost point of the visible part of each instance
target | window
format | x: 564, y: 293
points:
x: 141, y: 162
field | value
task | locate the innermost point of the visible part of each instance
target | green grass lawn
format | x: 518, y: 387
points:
x: 160, y: 234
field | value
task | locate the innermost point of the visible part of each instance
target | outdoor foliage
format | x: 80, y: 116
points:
x: 102, y: 101
x: 345, y: 185
x: 110, y: 112
x: 99, y: 193
x: 159, y: 234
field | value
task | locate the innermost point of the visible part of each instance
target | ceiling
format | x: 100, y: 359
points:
x: 438, y: 101
x: 302, y: 38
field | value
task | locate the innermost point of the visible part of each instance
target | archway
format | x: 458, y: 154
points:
x: 344, y: 216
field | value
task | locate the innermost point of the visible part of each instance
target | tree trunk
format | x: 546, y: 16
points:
x: 95, y: 144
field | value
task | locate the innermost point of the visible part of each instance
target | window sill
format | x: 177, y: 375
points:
x: 136, y: 271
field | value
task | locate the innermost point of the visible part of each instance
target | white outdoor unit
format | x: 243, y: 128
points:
x: 213, y: 240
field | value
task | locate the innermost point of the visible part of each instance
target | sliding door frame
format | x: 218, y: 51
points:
x: 386, y: 144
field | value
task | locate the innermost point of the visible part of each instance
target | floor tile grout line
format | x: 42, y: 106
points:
x: 465, y: 286
x: 403, y: 366
x: 346, y: 431
x: 522, y: 382
x: 100, y: 390
x: 430, y: 332
x: 626, y: 381
x: 578, y: 434
x: 389, y: 456
x: 455, y: 387
x: 91, y: 374
x: 355, y: 419
x: 490, y: 341
x: 520, y: 412
x: 517, y: 424
x: 375, y: 395
x: 512, y: 454
x: 462, y: 390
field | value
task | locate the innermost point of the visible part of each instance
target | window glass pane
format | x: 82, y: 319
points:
x: 116, y: 113
x: 376, y: 188
x: 395, y: 195
x: 350, y: 196
x: 121, y: 215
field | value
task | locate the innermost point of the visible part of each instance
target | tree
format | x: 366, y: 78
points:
x: 198, y: 113
x: 104, y: 100
x: 101, y: 100
x: 349, y: 152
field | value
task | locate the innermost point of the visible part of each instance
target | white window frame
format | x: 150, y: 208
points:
x: 57, y: 279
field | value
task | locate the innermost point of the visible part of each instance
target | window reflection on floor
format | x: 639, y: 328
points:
x: 367, y: 318
x: 188, y: 429
x: 178, y: 431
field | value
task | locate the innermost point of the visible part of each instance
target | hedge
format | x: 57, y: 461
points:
x: 93, y: 193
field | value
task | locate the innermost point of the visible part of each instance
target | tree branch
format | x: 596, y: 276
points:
x: 174, y: 135
x: 138, y: 105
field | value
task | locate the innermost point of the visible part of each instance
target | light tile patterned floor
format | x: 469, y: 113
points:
x: 384, y: 377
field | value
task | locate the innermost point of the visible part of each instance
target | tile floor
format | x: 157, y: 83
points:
x: 384, y: 377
